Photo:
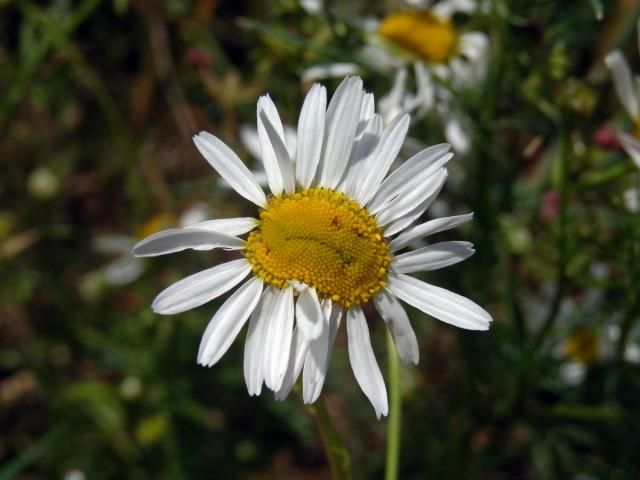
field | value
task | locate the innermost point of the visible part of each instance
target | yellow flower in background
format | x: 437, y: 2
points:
x: 422, y: 33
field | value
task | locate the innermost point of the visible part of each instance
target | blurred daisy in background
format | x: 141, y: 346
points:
x: 627, y: 87
x: 444, y: 59
x: 326, y: 241
x: 125, y: 267
x: 421, y: 37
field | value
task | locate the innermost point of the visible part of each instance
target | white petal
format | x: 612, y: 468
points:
x: 418, y: 188
x: 311, y: 126
x: 391, y: 105
x: 432, y: 257
x: 623, y: 82
x: 228, y: 321
x: 254, y: 344
x: 363, y: 361
x: 278, y: 339
x: 299, y: 348
x: 331, y: 70
x: 403, y: 180
x: 275, y: 156
x: 456, y: 131
x: 308, y: 314
x: 200, y: 288
x: 314, y: 387
x: 343, y: 115
x: 124, y: 269
x: 230, y: 167
x: 228, y: 226
x: 442, y: 304
x: 178, y: 239
x: 367, y: 111
x: 399, y: 326
x: 431, y: 158
x: 631, y: 146
x: 428, y: 228
x: 363, y: 148
x: 315, y: 364
x: 408, y: 218
x: 386, y: 152
x: 250, y: 141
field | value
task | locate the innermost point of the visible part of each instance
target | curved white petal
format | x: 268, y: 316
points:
x: 432, y: 257
x: 250, y: 141
x: 230, y: 167
x: 408, y: 218
x: 316, y: 361
x: 177, y: 239
x: 378, y: 163
x: 399, y: 326
x: 200, y: 288
x: 631, y: 146
x: 623, y: 82
x: 275, y: 156
x: 363, y: 148
x: 124, y: 269
x: 428, y: 228
x: 423, y: 164
x: 343, y: 115
x: 417, y: 189
x: 299, y: 348
x: 228, y: 321
x: 314, y: 385
x: 442, y: 304
x: 363, y: 361
x: 308, y: 314
x: 391, y: 105
x: 254, y: 344
x: 278, y: 339
x: 228, y: 226
x: 330, y: 70
x: 456, y: 131
x: 311, y: 126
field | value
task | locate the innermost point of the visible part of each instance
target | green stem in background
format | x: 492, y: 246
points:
x: 333, y: 446
x: 633, y: 277
x: 395, y: 413
x: 561, y: 184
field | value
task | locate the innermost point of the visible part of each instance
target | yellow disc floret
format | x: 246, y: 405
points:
x: 323, y: 239
x: 421, y: 33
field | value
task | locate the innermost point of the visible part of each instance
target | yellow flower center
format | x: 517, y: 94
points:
x: 321, y: 238
x: 421, y: 33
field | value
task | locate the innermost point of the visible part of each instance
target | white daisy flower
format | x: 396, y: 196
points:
x: 440, y: 55
x: 628, y: 89
x: 327, y: 240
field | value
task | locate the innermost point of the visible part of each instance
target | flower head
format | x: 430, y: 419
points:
x: 325, y: 241
x: 629, y: 94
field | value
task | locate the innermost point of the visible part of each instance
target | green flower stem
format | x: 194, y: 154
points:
x: 395, y: 413
x: 336, y: 453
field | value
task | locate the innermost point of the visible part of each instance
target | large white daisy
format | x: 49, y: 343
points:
x: 328, y: 239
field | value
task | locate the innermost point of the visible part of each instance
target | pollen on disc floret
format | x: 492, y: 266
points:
x: 324, y: 239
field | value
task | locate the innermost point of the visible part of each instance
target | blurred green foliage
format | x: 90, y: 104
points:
x: 98, y: 102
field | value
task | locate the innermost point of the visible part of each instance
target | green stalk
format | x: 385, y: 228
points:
x: 336, y: 453
x: 395, y: 413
